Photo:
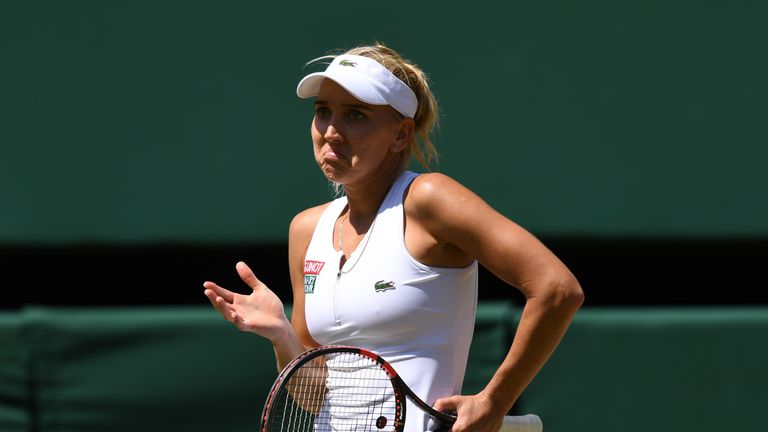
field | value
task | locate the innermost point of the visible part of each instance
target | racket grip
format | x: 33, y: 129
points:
x: 523, y: 423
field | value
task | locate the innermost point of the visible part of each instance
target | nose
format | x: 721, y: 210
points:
x: 331, y: 133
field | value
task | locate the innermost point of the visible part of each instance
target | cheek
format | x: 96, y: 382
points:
x: 381, y: 142
x: 316, y: 135
x: 316, y: 146
x: 313, y: 132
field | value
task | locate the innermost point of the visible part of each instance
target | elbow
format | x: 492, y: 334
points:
x: 572, y: 294
x: 565, y: 293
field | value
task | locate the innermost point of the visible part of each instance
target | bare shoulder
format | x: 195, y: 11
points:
x: 449, y: 211
x: 303, y: 224
x: 434, y: 181
x: 436, y: 192
x: 441, y: 220
x: 299, y: 237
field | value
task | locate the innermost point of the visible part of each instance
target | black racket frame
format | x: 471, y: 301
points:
x: 401, y: 389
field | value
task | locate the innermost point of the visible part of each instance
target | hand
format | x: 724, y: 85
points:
x: 259, y: 312
x: 475, y: 413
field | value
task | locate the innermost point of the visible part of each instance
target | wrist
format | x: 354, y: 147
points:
x: 283, y: 334
x: 499, y: 402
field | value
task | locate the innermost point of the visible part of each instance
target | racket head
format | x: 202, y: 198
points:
x: 335, y: 388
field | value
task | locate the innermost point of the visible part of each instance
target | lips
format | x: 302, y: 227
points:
x: 332, y: 153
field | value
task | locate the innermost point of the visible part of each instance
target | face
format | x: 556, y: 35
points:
x: 354, y: 141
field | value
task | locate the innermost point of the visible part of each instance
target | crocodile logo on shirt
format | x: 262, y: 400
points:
x: 384, y: 286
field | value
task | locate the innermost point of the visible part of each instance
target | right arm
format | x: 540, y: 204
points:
x: 261, y: 311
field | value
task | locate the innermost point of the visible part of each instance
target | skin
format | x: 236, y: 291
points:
x: 447, y: 225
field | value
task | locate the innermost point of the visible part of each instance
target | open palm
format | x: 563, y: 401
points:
x: 259, y: 312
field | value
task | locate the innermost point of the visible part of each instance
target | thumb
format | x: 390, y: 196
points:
x: 246, y: 274
x: 447, y: 404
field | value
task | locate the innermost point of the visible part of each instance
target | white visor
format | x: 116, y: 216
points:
x: 367, y: 80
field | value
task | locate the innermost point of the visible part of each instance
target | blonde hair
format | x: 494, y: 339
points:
x: 426, y: 118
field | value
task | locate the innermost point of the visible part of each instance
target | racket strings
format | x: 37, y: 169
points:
x: 336, y: 392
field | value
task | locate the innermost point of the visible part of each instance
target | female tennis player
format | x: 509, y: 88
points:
x: 392, y: 265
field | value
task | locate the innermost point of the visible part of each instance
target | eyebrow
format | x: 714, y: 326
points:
x: 355, y: 106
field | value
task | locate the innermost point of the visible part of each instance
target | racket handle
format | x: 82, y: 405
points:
x: 524, y: 423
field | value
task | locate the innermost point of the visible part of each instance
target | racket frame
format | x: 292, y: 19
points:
x: 401, y: 389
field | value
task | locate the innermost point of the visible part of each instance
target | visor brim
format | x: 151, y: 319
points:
x: 355, y: 84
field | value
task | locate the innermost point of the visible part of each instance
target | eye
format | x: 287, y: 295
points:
x: 355, y: 115
x: 322, y: 112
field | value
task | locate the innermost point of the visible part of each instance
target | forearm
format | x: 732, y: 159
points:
x: 543, y: 323
x: 287, y: 346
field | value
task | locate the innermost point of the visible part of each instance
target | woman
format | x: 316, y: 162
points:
x: 392, y: 265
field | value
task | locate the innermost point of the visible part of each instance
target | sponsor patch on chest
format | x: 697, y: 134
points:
x: 311, y: 270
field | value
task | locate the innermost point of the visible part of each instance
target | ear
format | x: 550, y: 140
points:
x: 404, y: 134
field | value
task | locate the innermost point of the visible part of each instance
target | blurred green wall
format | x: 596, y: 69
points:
x: 149, y: 121
x: 186, y: 369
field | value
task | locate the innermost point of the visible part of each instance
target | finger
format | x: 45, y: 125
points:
x: 211, y: 296
x: 239, y: 322
x: 222, y: 307
x: 226, y: 309
x: 247, y: 276
x: 219, y: 303
x: 235, y: 318
x: 224, y: 293
x: 449, y: 404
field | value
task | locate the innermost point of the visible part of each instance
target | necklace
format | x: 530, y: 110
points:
x: 341, y: 245
x: 341, y: 233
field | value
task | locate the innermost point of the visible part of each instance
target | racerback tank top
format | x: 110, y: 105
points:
x: 419, y: 318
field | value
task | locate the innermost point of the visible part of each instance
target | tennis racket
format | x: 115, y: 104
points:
x: 342, y: 388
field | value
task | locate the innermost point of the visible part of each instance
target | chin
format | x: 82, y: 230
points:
x: 331, y: 174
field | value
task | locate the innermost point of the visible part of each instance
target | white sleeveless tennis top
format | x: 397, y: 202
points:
x: 419, y: 318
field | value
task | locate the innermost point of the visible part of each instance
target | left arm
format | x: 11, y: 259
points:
x: 459, y: 223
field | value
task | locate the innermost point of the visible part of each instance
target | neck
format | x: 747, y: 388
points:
x: 365, y: 199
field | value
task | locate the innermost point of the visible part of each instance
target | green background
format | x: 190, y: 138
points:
x: 150, y: 121
x: 186, y: 369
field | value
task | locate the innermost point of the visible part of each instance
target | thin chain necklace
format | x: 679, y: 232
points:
x: 341, y: 243
x: 341, y: 233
